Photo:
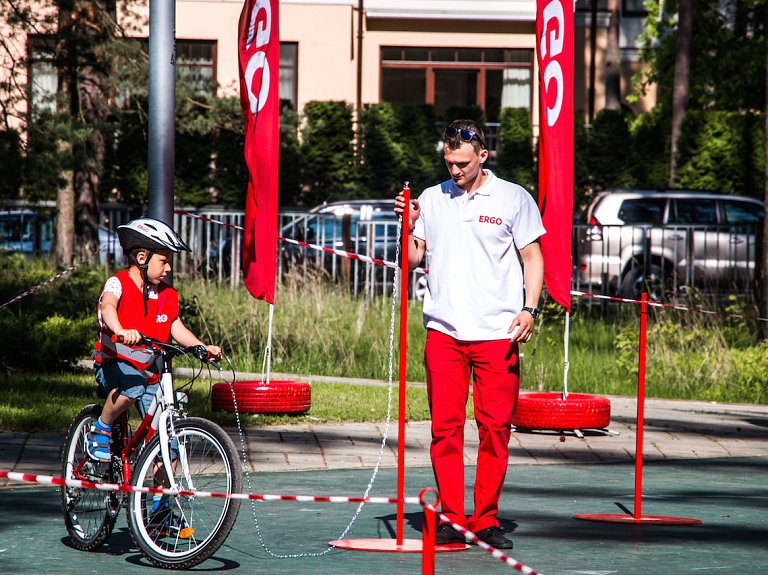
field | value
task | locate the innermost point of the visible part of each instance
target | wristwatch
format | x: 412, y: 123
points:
x: 533, y: 311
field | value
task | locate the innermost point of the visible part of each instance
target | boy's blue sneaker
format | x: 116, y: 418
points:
x: 166, y: 523
x: 97, y: 443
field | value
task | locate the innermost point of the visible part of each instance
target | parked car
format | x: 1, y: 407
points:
x: 29, y: 233
x: 667, y: 241
x: 372, y: 231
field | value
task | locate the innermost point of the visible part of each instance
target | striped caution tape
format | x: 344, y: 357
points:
x: 341, y: 253
x: 667, y: 306
x: 376, y: 261
x: 501, y: 556
x: 207, y: 219
x: 53, y: 279
x: 60, y: 481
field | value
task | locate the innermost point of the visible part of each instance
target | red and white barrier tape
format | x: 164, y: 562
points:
x: 667, y: 306
x: 53, y: 279
x: 501, y: 556
x: 59, y: 481
x: 341, y: 253
x: 379, y: 262
x: 206, y: 219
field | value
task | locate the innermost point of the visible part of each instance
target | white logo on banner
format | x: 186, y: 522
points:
x: 260, y: 31
x: 552, y: 70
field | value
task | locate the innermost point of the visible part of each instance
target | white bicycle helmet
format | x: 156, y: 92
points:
x: 151, y: 234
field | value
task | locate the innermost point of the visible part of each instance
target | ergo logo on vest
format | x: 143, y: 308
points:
x: 161, y: 318
x: 258, y: 61
x: 553, y: 13
x: 490, y: 220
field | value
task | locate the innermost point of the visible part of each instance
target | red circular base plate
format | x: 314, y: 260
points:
x: 642, y: 520
x: 391, y: 546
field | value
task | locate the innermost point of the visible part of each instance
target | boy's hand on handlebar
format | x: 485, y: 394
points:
x: 214, y: 352
x: 128, y: 336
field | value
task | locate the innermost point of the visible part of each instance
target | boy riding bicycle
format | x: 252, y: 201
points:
x: 134, y: 303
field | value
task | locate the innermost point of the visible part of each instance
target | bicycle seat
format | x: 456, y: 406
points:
x: 100, y: 393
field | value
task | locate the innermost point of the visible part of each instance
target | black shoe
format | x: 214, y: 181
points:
x: 494, y: 537
x: 446, y: 534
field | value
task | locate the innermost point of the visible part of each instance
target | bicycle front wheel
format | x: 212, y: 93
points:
x: 89, y: 514
x: 184, y: 531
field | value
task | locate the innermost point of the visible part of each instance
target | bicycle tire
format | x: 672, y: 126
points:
x: 213, y: 465
x: 89, y: 514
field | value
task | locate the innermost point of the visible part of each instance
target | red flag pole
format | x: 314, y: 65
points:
x: 403, y: 347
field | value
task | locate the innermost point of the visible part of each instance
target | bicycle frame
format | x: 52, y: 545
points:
x: 158, y: 419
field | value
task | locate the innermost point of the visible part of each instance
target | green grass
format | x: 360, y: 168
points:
x: 320, y: 329
x: 49, y: 402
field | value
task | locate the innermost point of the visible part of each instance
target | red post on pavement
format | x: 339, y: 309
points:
x: 403, y: 347
x: 428, y: 542
x: 640, y: 408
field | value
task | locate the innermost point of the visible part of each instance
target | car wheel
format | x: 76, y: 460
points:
x: 655, y: 284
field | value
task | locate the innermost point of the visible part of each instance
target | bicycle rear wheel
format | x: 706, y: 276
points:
x: 89, y: 514
x: 191, y: 528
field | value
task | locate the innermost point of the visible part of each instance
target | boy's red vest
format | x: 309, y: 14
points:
x: 161, y: 313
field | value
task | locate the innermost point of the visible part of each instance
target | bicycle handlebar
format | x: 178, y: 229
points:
x: 199, y: 351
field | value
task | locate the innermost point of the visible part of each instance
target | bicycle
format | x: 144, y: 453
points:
x: 200, y: 454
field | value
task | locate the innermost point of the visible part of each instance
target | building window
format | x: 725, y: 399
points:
x: 289, y: 58
x: 491, y: 78
x: 43, y: 78
x: 196, y: 64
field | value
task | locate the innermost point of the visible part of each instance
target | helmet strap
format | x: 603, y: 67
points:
x: 144, y: 274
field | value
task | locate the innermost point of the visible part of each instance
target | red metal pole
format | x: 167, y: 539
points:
x: 403, y: 347
x: 428, y: 542
x: 640, y: 409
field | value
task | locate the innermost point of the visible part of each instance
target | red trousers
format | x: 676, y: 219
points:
x: 496, y: 374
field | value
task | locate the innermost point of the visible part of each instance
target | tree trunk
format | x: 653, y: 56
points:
x: 92, y: 85
x: 613, y: 59
x: 682, y: 80
x: 764, y: 260
x: 64, y: 239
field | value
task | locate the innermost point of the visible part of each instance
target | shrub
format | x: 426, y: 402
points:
x: 717, y: 152
x: 610, y: 158
x: 514, y: 160
x: 326, y: 151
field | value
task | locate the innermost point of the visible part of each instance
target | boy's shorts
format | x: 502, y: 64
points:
x: 128, y: 381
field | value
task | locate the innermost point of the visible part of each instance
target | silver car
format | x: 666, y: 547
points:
x: 665, y: 242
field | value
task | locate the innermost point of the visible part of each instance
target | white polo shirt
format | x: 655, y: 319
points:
x: 475, y: 280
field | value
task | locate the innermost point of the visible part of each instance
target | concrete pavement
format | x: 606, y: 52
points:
x: 673, y: 430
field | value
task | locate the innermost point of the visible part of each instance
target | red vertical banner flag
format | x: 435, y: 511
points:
x: 259, y: 54
x: 554, y: 32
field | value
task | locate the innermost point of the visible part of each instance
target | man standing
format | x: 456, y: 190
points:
x: 476, y: 229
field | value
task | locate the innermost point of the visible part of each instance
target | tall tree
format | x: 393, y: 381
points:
x: 85, y: 31
x: 681, y: 87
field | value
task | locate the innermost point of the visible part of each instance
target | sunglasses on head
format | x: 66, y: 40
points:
x: 464, y: 135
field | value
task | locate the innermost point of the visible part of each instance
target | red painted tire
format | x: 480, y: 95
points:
x: 551, y: 411
x: 278, y: 396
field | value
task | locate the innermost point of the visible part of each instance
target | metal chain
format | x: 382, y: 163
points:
x: 332, y: 546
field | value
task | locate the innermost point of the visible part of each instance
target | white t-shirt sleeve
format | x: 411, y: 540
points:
x: 526, y: 224
x: 114, y: 286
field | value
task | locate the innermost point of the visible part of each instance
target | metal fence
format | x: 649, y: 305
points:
x: 669, y: 261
